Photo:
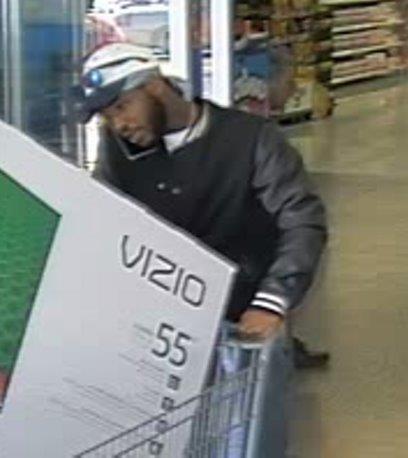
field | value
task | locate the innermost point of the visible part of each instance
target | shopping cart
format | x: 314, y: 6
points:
x: 221, y: 422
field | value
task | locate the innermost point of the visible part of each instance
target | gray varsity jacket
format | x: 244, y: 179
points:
x: 241, y: 189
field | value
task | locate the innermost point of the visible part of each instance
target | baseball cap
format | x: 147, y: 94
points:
x: 107, y: 72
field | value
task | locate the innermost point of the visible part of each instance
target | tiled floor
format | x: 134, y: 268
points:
x: 359, y: 309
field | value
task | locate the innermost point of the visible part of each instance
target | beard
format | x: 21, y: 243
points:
x: 156, y: 121
x: 143, y: 124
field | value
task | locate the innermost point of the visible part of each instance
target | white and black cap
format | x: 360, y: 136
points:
x: 108, y: 72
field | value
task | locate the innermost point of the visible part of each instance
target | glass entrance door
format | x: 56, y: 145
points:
x: 4, y: 62
x: 48, y: 30
x: 1, y: 64
x: 41, y: 44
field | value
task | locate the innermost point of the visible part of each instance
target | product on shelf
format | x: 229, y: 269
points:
x: 252, y: 8
x: 298, y: 29
x: 251, y: 75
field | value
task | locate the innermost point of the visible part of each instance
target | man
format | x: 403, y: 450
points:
x: 227, y: 177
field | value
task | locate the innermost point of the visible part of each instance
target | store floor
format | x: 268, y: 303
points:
x: 359, y: 310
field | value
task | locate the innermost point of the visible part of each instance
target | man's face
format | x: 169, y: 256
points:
x: 137, y: 116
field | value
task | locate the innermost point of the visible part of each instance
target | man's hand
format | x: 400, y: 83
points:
x: 260, y: 323
x: 3, y: 383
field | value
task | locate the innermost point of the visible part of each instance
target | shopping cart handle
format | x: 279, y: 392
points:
x: 232, y: 336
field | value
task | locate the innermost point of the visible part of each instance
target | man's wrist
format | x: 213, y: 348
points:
x: 271, y: 302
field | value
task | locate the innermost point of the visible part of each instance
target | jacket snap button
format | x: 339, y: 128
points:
x: 161, y: 186
x: 176, y: 191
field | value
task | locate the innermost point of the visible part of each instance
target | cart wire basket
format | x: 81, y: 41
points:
x: 221, y: 422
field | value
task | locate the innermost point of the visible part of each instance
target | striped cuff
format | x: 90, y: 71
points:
x: 270, y: 302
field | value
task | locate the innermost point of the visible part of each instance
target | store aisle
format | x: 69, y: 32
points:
x: 359, y: 407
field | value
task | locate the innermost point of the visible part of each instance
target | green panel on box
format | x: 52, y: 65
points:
x: 27, y: 229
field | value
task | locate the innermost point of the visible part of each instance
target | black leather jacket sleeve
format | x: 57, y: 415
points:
x: 287, y: 194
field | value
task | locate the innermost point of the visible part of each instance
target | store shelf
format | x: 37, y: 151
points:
x: 290, y: 39
x: 347, y: 2
x: 366, y: 26
x: 366, y: 50
x: 360, y: 76
x: 256, y: 15
x: 287, y: 17
x: 256, y: 36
